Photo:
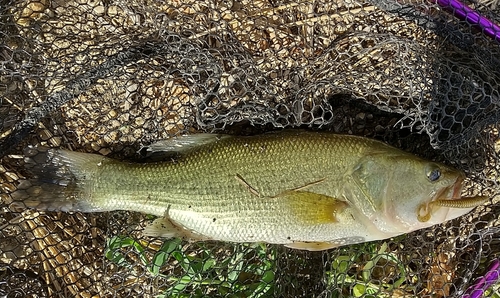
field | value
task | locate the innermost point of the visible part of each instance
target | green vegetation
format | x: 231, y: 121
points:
x: 245, y: 270
x: 248, y: 270
x: 371, y: 273
x: 493, y: 291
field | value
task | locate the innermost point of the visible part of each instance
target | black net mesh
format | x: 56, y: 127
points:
x: 110, y: 76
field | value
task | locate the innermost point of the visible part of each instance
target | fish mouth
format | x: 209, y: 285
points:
x: 449, y: 197
x: 448, y: 193
x: 455, y: 190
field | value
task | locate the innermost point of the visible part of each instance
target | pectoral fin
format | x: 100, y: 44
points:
x: 312, y: 246
x: 311, y: 208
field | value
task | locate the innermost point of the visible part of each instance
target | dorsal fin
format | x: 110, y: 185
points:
x: 180, y: 144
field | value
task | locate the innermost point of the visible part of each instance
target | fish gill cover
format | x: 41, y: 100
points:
x: 109, y: 77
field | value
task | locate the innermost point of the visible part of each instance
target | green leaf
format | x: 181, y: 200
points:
x: 171, y: 245
x: 268, y: 277
x: 182, y: 259
x: 195, y: 267
x: 208, y: 264
x: 161, y: 257
x: 371, y: 290
x: 359, y: 290
x: 184, y: 282
x: 178, y: 288
x: 117, y: 258
x: 341, y: 264
x: 261, y: 290
x: 402, y: 271
x: 370, y: 264
x: 232, y: 276
x: 116, y: 243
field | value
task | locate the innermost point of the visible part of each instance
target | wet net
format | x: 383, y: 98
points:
x: 109, y: 77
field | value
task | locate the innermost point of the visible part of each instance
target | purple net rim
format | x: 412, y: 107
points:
x: 465, y: 13
x: 481, y: 284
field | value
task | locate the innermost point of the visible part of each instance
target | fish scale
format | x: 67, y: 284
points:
x: 302, y: 189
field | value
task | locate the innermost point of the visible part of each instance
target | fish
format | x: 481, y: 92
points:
x: 305, y: 190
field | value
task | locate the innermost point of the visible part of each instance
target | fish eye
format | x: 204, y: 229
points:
x: 434, y: 174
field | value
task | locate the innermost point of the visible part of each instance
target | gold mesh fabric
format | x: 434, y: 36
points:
x: 108, y: 77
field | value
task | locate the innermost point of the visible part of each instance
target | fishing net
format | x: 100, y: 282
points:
x: 111, y: 76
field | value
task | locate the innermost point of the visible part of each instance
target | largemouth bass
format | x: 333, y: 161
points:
x: 305, y: 190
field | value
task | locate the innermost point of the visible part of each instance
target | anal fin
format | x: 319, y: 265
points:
x: 312, y: 246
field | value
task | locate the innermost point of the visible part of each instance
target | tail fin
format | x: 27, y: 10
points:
x: 62, y: 180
